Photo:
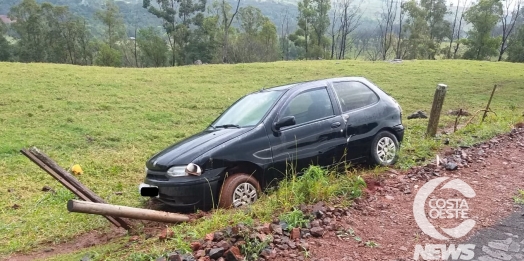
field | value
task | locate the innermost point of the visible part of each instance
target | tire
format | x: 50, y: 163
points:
x: 241, y: 182
x: 386, y: 142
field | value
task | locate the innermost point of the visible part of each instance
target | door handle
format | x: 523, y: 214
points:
x: 335, y: 124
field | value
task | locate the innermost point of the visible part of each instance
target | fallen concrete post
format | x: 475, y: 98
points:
x: 123, y: 211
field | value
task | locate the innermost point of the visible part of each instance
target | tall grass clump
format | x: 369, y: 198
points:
x: 314, y: 185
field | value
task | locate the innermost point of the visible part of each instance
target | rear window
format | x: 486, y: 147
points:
x: 354, y: 95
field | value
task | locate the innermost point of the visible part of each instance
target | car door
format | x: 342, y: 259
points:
x: 313, y: 139
x: 359, y: 105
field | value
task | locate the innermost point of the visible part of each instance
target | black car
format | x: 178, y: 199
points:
x: 320, y: 122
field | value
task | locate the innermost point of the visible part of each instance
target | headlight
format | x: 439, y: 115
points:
x: 177, y: 171
x: 193, y: 169
x: 180, y: 171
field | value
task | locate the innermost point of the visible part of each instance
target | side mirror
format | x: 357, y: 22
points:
x: 283, y: 122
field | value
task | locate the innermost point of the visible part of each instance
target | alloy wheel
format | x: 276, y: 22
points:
x: 386, y: 150
x: 245, y: 194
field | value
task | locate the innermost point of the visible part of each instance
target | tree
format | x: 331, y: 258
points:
x: 110, y: 16
x: 227, y: 19
x: 385, y: 25
x: 516, y: 46
x: 5, y: 46
x: 459, y: 30
x: 398, y: 49
x: 320, y: 24
x: 305, y: 18
x: 333, y: 34
x: 483, y: 17
x: 285, y: 33
x: 257, y: 40
x: 456, y: 28
x: 204, y: 42
x: 435, y: 10
x: 108, y: 56
x: 349, y: 21
x: 177, y: 29
x: 508, y: 20
x: 153, y: 48
x: 29, y: 26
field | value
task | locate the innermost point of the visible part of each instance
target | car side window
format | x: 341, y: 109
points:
x: 353, y: 95
x: 309, y: 106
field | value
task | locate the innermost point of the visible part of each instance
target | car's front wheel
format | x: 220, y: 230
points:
x: 384, y: 149
x: 239, y: 190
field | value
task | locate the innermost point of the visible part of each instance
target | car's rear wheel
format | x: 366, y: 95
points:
x: 239, y: 190
x: 384, y: 149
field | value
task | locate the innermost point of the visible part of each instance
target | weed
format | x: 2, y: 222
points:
x: 519, y: 198
x: 295, y: 218
x: 253, y: 246
x: 371, y: 244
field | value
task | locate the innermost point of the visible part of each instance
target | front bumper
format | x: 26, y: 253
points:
x: 200, y: 191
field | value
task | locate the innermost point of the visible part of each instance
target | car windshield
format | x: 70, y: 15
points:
x: 247, y: 111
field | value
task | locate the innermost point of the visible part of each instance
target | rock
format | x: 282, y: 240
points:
x: 266, y: 253
x: 223, y: 244
x: 264, y: 228
x: 196, y: 245
x: 388, y: 197
x: 417, y: 115
x: 174, y: 257
x: 210, y: 236
x: 295, y: 233
x: 166, y: 233
x: 315, y: 223
x: 277, y: 229
x: 304, y: 246
x: 317, y: 231
x: 200, y: 253
x: 451, y: 166
x: 261, y: 237
x: 216, y: 253
x: 119, y: 193
x: 218, y: 236
x: 198, y: 62
x: 133, y: 238
x: 47, y: 188
x: 233, y: 254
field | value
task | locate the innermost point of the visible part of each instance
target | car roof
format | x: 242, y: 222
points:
x: 314, y: 83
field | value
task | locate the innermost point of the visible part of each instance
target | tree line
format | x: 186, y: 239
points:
x: 220, y: 32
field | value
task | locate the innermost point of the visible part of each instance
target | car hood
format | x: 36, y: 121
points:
x: 185, y: 151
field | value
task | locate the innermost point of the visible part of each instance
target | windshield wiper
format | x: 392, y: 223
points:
x: 228, y: 126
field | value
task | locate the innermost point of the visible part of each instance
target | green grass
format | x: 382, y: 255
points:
x: 519, y: 198
x: 111, y: 120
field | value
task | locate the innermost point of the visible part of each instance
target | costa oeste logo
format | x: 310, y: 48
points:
x: 440, y: 208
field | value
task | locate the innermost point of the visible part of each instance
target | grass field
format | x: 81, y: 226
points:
x: 110, y: 120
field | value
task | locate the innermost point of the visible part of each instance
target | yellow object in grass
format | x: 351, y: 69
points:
x: 77, y: 170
